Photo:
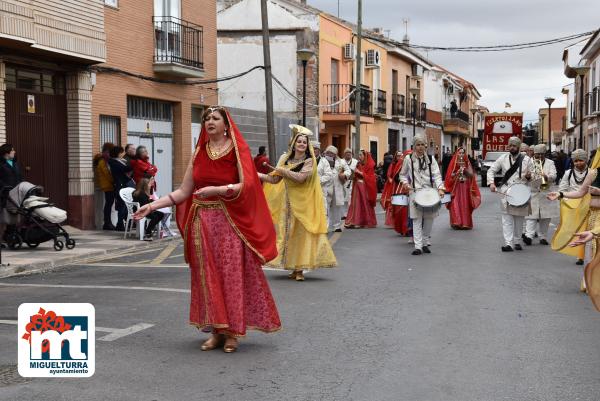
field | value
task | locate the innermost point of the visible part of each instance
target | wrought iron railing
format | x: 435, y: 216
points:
x: 459, y: 115
x: 334, y: 93
x: 177, y: 41
x: 595, y: 107
x: 398, y: 105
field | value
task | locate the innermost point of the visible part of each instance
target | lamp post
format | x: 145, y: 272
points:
x: 414, y: 92
x: 304, y: 55
x: 581, y: 71
x: 549, y: 100
x: 474, y: 111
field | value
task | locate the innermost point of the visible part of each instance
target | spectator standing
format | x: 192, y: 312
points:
x: 104, y: 181
x: 119, y: 169
x: 141, y: 165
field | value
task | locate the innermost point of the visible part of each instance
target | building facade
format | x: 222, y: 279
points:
x: 148, y: 91
x: 46, y: 93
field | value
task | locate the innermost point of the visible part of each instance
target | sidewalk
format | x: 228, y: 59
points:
x: 89, y: 245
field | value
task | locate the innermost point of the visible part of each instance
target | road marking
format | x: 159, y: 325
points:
x: 129, y: 252
x: 164, y: 254
x: 119, y: 333
x: 113, y: 335
x: 99, y: 287
x: 138, y: 265
x: 334, y: 238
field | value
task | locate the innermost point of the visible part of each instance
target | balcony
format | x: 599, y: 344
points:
x: 398, y: 105
x: 595, y: 101
x: 178, y: 48
x: 381, y: 105
x: 456, y: 123
x: 344, y: 110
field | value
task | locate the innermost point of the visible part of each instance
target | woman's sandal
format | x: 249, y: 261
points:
x: 214, y: 342
x: 231, y: 345
x: 299, y: 275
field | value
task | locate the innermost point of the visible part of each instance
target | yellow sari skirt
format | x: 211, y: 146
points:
x: 299, y: 249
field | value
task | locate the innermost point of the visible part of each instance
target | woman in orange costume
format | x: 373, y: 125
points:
x: 227, y: 233
x: 462, y: 183
x: 361, y: 212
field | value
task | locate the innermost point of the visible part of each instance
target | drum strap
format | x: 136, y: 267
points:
x: 412, y: 170
x: 514, y: 166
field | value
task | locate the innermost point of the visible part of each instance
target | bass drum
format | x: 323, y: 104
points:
x: 428, y: 200
x: 518, y: 195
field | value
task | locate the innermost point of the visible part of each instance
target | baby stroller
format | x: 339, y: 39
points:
x: 34, y: 219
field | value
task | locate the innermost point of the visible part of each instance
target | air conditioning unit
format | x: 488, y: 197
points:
x: 349, y: 51
x: 417, y: 70
x: 373, y: 59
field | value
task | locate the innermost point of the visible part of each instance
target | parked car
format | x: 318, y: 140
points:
x: 490, y: 158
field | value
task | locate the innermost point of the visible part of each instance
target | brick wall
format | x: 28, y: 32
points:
x: 130, y: 47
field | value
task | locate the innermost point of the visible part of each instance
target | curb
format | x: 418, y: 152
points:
x: 55, y: 265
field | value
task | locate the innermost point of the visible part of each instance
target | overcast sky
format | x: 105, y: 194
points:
x: 522, y: 77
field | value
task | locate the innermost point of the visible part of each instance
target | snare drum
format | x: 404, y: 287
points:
x: 518, y: 195
x: 428, y: 200
x: 400, y: 200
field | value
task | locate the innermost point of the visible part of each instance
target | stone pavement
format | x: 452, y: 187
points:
x: 90, y: 245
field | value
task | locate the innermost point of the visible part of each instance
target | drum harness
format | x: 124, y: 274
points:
x: 518, y: 164
x: 412, y: 169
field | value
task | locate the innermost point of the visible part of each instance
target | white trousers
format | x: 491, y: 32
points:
x: 512, y: 228
x: 531, y: 226
x: 334, y: 217
x: 422, y: 231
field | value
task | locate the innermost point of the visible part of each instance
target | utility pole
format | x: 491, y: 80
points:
x: 268, y: 82
x: 357, y: 94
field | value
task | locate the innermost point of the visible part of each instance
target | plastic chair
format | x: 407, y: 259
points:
x: 127, y: 195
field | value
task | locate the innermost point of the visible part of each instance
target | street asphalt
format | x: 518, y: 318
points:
x: 467, y: 322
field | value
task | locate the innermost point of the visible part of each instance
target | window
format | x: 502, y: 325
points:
x: 112, y: 3
x: 149, y: 109
x: 34, y: 81
x: 110, y: 130
x: 167, y: 8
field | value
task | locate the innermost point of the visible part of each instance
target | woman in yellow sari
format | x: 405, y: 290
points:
x: 579, y: 211
x: 294, y: 194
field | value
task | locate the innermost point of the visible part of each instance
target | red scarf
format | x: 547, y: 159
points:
x: 248, y: 212
x: 451, y: 181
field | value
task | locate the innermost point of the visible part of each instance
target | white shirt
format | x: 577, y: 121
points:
x: 569, y: 181
x: 504, y: 163
x: 422, y: 176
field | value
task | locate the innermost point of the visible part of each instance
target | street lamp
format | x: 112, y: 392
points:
x: 304, y: 55
x: 474, y: 111
x: 549, y: 100
x: 414, y: 92
x: 581, y: 71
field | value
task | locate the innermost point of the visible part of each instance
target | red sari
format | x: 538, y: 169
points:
x: 402, y: 223
x: 361, y: 211
x: 226, y: 245
x: 465, y: 193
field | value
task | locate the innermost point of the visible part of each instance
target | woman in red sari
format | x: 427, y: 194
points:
x: 227, y: 234
x: 462, y: 183
x: 402, y: 223
x: 361, y: 212
x: 390, y: 188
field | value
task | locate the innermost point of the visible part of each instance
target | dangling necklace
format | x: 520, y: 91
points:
x: 218, y: 152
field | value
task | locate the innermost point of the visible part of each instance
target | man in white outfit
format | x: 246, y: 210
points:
x: 352, y: 163
x: 336, y: 192
x: 542, y: 209
x: 420, y: 171
x: 324, y: 172
x: 516, y: 170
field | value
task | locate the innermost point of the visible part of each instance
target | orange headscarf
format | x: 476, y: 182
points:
x: 451, y: 181
x: 248, y: 212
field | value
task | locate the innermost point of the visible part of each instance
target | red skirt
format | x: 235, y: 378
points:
x: 401, y: 220
x: 360, y: 211
x: 461, y: 211
x: 229, y: 291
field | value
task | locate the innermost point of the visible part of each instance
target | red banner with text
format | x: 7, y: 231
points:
x: 498, y: 128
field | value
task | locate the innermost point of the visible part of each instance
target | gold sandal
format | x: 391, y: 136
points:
x: 299, y: 275
x: 231, y: 345
x: 214, y: 342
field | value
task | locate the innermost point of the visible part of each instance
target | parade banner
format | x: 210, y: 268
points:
x: 498, y: 128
